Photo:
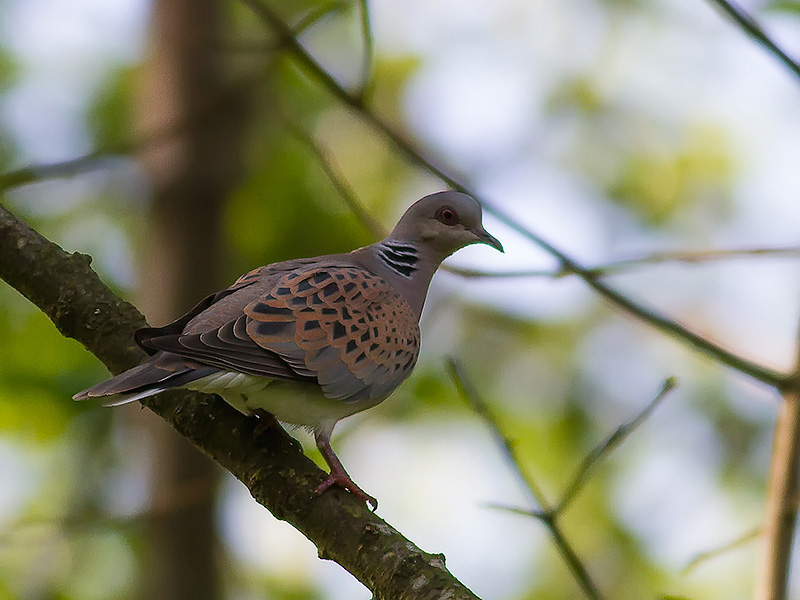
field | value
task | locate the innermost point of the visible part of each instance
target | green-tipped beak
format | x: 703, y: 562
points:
x: 484, y: 237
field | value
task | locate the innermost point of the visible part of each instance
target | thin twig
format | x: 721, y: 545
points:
x: 619, y: 435
x: 468, y: 392
x: 518, y: 510
x: 66, y: 168
x: 333, y: 173
x: 702, y: 557
x: 544, y: 513
x: 368, y: 41
x: 642, y: 312
x: 190, y: 493
x: 689, y: 257
x: 96, y: 158
x: 315, y: 15
x: 752, y: 28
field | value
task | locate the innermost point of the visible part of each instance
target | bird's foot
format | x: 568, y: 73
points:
x: 342, y: 480
x: 267, y: 422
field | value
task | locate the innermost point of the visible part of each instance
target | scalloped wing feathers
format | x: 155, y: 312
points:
x: 346, y: 326
x: 338, y: 325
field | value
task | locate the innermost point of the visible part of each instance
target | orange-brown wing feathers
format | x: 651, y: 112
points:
x: 342, y: 326
x: 348, y: 326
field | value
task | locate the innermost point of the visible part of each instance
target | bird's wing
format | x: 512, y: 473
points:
x: 251, y: 280
x: 339, y: 325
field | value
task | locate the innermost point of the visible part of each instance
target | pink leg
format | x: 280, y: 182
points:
x: 338, y: 475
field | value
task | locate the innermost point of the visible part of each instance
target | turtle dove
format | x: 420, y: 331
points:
x: 313, y: 340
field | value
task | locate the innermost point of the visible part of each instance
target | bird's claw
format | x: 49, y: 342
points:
x: 343, y: 480
x: 267, y: 422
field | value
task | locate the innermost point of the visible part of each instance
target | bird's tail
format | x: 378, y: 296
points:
x: 161, y: 372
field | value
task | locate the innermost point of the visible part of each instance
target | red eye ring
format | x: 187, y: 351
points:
x: 447, y: 215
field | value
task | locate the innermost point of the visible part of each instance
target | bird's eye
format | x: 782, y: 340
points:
x: 447, y: 215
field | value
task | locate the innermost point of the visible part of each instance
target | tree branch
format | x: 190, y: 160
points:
x: 707, y: 555
x: 545, y: 512
x: 752, y: 28
x: 689, y: 257
x: 664, y: 324
x: 332, y: 172
x: 368, y: 42
x: 782, y: 496
x: 277, y: 473
x: 618, y: 436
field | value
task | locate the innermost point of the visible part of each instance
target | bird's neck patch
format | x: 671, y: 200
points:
x: 400, y: 258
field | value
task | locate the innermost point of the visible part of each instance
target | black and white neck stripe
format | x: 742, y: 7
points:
x: 400, y: 258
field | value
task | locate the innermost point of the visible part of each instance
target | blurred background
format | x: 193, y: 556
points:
x: 613, y: 128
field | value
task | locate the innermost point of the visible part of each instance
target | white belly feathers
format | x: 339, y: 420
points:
x: 296, y: 403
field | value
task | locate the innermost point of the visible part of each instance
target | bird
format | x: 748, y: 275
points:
x: 310, y: 341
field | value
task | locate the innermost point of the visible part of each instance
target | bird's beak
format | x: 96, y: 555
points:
x: 484, y: 237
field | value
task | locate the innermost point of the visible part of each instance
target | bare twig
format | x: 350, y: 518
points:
x: 96, y: 158
x: 642, y: 312
x: 702, y: 557
x: 336, y: 178
x: 65, y: 168
x: 187, y: 494
x: 752, y: 28
x: 468, y: 392
x: 518, y: 510
x: 691, y: 257
x: 545, y: 513
x: 368, y: 41
x: 316, y: 14
x: 610, y: 443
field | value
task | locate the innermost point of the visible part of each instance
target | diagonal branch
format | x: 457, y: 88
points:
x: 609, y: 444
x: 97, y: 158
x: 688, y: 257
x: 706, y: 555
x: 545, y: 513
x: 332, y: 172
x: 368, y: 41
x: 663, y: 323
x: 752, y: 28
x: 277, y: 473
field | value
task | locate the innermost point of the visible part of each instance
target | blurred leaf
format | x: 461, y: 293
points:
x: 657, y: 182
x: 9, y: 69
x: 39, y: 372
x: 111, y: 112
x: 791, y: 7
x: 577, y: 93
x: 391, y: 76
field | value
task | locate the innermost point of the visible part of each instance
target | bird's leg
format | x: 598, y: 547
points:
x: 338, y: 475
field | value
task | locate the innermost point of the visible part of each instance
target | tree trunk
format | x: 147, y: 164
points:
x: 192, y: 173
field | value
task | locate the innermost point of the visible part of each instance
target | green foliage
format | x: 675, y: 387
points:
x: 659, y: 182
x: 39, y: 368
x: 111, y: 114
x: 790, y: 7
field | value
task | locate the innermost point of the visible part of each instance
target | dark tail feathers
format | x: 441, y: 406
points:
x: 160, y: 372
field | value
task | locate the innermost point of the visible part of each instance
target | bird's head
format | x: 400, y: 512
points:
x: 444, y: 222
